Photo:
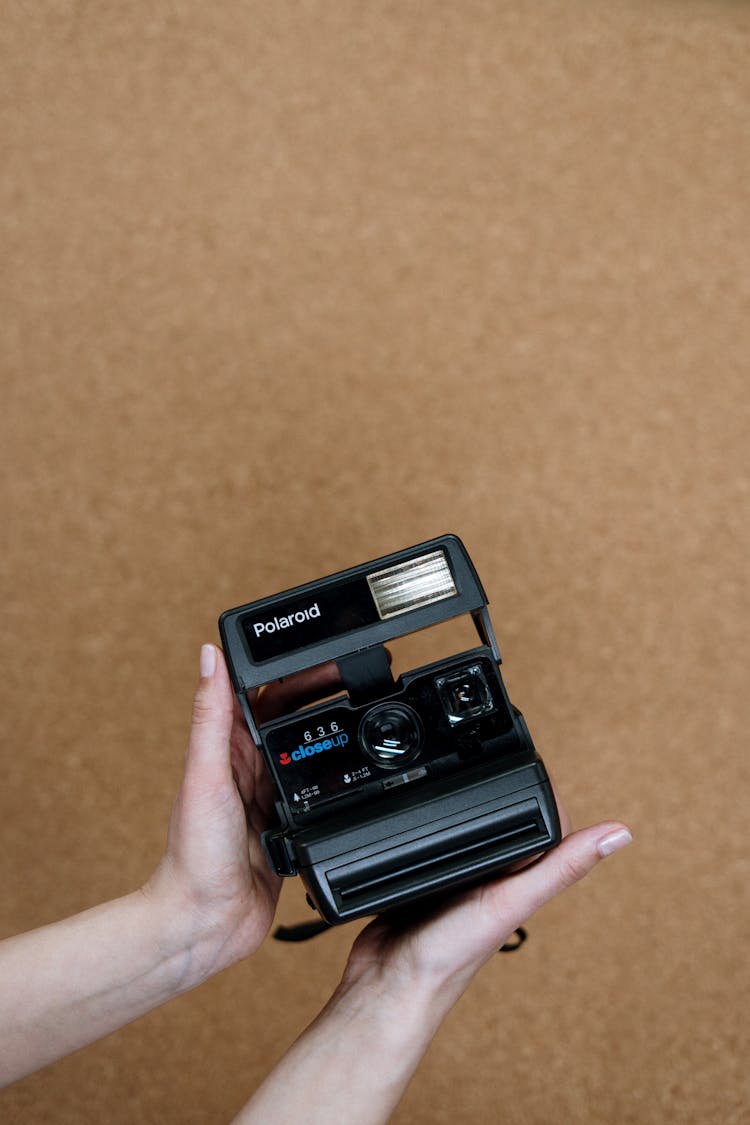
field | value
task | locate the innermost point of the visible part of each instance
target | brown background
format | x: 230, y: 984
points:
x: 287, y: 286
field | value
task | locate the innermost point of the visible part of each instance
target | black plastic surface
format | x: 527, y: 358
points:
x: 366, y: 830
x: 248, y: 672
x: 439, y: 840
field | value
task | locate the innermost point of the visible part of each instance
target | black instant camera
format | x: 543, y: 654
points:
x: 392, y: 790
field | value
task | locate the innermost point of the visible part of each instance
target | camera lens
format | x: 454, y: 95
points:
x: 391, y: 734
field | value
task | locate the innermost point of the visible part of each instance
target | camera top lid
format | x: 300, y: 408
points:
x: 355, y: 609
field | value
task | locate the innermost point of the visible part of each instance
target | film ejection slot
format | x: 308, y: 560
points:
x: 378, y: 801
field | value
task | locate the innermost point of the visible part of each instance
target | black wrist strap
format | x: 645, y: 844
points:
x: 303, y: 931
x: 511, y: 946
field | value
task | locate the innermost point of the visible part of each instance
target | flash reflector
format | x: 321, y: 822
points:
x: 408, y: 585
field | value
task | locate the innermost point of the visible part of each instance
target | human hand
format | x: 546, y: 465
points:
x: 438, y: 949
x: 405, y: 971
x: 214, y: 881
x: 209, y: 903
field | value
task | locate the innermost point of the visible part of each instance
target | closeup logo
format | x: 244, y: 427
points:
x: 311, y: 748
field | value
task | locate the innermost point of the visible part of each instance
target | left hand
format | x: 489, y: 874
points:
x: 214, y: 879
x: 209, y: 903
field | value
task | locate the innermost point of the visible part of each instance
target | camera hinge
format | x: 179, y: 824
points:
x: 366, y: 675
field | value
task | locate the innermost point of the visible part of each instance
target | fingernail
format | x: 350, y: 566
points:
x: 613, y: 842
x: 208, y: 661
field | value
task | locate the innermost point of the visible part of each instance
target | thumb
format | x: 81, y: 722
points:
x: 208, y: 752
x: 518, y: 896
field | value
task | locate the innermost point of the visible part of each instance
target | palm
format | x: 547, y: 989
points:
x: 224, y: 805
x: 260, y: 885
x: 457, y: 933
x: 450, y: 936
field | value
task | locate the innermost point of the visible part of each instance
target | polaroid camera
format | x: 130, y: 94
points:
x: 393, y: 790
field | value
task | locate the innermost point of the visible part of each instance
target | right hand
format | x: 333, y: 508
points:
x: 438, y: 949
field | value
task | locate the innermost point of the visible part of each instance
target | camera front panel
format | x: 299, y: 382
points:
x: 440, y: 719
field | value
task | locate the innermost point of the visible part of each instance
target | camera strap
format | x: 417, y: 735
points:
x: 303, y: 931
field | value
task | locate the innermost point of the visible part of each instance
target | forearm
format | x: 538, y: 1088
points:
x: 72, y: 982
x: 354, y: 1062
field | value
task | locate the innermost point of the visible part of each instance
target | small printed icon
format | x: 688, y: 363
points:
x: 284, y: 759
x: 347, y: 778
x: 296, y: 796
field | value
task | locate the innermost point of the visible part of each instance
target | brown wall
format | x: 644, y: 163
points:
x: 286, y: 286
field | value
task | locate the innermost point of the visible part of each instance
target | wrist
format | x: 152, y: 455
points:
x: 428, y: 986
x: 191, y: 943
x: 360, y: 1052
x: 402, y: 1008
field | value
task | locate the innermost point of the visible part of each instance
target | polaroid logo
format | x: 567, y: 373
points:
x: 309, y: 749
x: 285, y: 622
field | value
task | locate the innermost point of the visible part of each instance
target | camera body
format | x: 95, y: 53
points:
x: 392, y: 790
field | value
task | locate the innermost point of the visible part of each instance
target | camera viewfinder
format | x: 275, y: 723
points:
x: 465, y: 694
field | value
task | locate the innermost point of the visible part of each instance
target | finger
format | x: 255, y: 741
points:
x: 208, y: 753
x: 295, y: 691
x: 516, y: 897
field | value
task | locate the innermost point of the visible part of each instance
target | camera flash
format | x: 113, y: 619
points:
x: 412, y: 584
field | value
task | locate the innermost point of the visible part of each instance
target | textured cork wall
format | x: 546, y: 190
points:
x: 287, y: 286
